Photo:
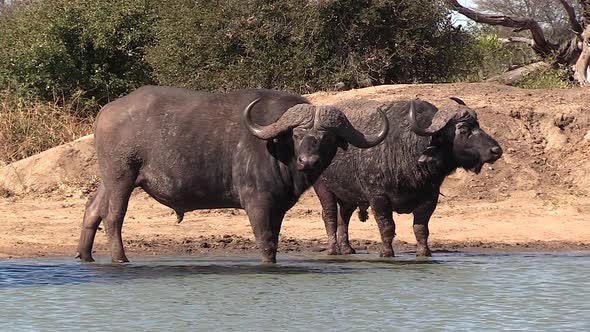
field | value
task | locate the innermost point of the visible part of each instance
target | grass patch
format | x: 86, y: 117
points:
x: 30, y: 126
x: 549, y: 78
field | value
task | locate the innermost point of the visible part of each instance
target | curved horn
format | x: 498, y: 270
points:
x: 458, y: 101
x: 440, y: 119
x: 345, y: 130
x: 293, y: 117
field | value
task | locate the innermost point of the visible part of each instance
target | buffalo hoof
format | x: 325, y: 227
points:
x: 269, y: 261
x: 387, y: 253
x: 120, y: 260
x: 347, y: 250
x: 423, y: 252
x: 269, y: 255
x: 333, y: 250
x: 87, y: 259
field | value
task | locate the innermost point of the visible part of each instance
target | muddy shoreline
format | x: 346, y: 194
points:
x: 230, y: 245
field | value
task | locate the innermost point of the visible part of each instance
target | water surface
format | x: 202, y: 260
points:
x: 454, y: 291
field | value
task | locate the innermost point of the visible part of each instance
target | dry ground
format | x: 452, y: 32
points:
x: 536, y: 197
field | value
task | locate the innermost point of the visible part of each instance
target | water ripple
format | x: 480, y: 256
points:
x: 452, y: 291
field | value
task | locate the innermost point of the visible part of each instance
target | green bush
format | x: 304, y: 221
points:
x: 58, y: 47
x: 550, y: 78
x: 228, y: 44
x: 392, y: 41
x: 304, y: 47
x: 491, y: 58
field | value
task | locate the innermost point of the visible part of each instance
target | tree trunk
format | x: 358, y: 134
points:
x: 513, y: 76
x: 583, y: 62
x: 574, y: 52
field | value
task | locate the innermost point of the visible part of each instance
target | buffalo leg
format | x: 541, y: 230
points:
x: 266, y: 226
x: 329, y: 214
x: 118, y: 199
x: 95, y: 211
x: 384, y: 216
x: 344, y: 214
x: 421, y: 217
x: 276, y: 223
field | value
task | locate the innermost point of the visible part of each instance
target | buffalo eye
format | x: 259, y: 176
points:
x: 463, y: 129
x: 298, y: 135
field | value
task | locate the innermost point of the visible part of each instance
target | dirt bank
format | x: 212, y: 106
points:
x: 535, y: 198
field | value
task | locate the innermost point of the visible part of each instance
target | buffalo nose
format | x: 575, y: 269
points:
x: 496, y: 151
x: 307, y: 162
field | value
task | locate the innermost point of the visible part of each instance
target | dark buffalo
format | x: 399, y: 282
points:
x: 192, y: 150
x: 404, y: 174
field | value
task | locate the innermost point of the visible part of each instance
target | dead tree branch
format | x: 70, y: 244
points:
x: 540, y: 45
x: 571, y: 14
x: 585, y: 4
x: 573, y: 52
x: 516, y: 39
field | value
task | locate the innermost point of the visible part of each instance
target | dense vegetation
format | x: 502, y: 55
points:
x: 65, y: 58
x: 106, y: 48
x: 55, y: 48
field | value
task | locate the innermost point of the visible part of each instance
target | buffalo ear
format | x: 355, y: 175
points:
x: 430, y: 158
x: 342, y: 143
x: 427, y: 155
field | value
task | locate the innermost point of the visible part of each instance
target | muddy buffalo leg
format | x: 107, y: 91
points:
x: 95, y: 210
x: 344, y: 214
x: 118, y: 197
x: 276, y: 222
x: 265, y: 230
x: 329, y: 214
x: 384, y: 216
x: 421, y: 217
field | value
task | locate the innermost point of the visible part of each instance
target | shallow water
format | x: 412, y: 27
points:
x: 453, y: 291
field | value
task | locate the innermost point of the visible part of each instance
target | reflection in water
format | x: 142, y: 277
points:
x: 24, y: 273
x: 361, y: 292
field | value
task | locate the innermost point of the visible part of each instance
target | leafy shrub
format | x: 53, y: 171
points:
x: 304, y: 46
x: 63, y: 46
x: 550, y: 78
x: 491, y: 58
x: 106, y: 48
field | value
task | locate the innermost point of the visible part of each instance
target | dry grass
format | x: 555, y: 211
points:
x: 29, y: 127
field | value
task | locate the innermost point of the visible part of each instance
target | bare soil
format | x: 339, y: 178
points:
x: 536, y: 197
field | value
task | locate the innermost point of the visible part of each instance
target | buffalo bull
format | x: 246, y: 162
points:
x: 251, y: 149
x: 404, y: 174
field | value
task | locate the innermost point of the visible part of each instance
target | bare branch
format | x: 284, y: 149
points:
x: 585, y: 4
x: 575, y: 51
x: 541, y: 45
x: 515, y: 39
x: 568, y: 52
x: 571, y: 13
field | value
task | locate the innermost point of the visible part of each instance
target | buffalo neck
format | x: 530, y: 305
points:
x: 435, y: 173
x: 413, y: 175
x: 301, y: 181
x: 292, y: 181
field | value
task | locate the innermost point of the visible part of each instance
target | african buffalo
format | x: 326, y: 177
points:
x: 251, y: 149
x: 404, y: 174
